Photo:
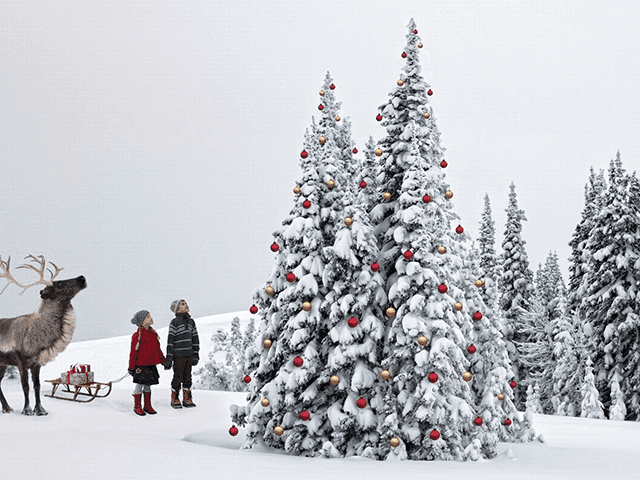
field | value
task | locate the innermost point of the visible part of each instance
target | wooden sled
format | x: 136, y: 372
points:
x: 78, y: 393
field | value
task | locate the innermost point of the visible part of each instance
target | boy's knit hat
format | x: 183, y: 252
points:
x: 175, y: 303
x: 139, y: 317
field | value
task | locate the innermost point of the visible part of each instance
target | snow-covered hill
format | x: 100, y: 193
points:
x: 105, y: 439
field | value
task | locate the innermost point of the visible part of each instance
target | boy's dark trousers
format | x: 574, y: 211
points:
x: 181, y: 373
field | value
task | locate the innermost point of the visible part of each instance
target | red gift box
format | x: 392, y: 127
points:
x: 80, y: 368
x: 71, y: 378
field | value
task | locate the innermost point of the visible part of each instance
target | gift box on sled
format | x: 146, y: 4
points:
x: 77, y: 375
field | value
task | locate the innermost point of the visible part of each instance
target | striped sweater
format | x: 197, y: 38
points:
x: 182, y: 340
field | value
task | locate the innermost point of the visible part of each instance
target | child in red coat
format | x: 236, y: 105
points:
x: 144, y: 356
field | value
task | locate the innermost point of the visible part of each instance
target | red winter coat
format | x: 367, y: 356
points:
x: 147, y: 350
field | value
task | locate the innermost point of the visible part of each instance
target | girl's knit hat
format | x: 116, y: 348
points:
x: 174, y: 305
x: 139, y: 317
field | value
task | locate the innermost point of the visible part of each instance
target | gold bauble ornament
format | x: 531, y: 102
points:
x: 378, y: 152
x: 331, y: 183
x: 322, y: 140
x: 479, y: 283
x: 386, y: 196
x: 278, y: 430
x: 266, y: 343
x: 391, y: 312
x: 334, y: 380
x: 264, y: 402
x: 321, y: 92
x: 422, y: 340
x: 348, y: 221
x: 501, y: 396
x: 457, y: 306
x: 385, y: 374
x: 420, y: 45
x: 337, y: 119
x: 296, y: 190
x: 269, y: 290
x: 400, y: 83
x: 448, y: 194
x: 394, y: 442
x: 442, y: 249
x: 426, y: 115
x: 466, y: 376
x: 306, y: 306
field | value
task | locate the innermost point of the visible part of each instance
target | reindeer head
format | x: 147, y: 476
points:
x: 60, y: 289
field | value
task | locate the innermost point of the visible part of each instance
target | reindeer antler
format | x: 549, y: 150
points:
x: 40, y: 260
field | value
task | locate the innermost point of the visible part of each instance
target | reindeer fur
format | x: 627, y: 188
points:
x: 33, y: 340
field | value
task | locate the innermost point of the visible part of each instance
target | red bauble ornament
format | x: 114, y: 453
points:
x: 477, y: 421
x: 408, y: 254
x: 507, y: 421
x: 306, y: 204
x: 291, y: 277
x: 363, y: 184
x: 320, y: 107
x: 512, y: 384
x: 375, y: 266
x: 304, y: 415
x: 353, y: 322
x: 253, y: 309
x: 378, y: 117
x: 304, y: 154
x: 426, y: 198
x: 404, y: 55
x: 442, y: 288
x: 233, y: 431
x: 459, y: 229
x: 415, y: 32
x: 355, y: 150
x: 298, y: 361
x: 443, y: 164
x: 275, y: 247
x: 361, y: 402
x: 332, y: 86
x: 434, y: 435
x: 246, y: 379
x: 433, y: 377
x: 430, y: 92
x: 477, y: 316
x: 471, y: 349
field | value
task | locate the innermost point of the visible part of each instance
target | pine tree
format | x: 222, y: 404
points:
x: 540, y: 328
x: 609, y: 288
x: 618, y: 410
x: 516, y: 289
x: 591, y: 405
x: 593, y: 194
x: 489, y: 259
x: 533, y: 404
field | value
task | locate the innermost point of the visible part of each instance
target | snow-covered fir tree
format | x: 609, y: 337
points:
x: 533, y: 404
x: 593, y: 196
x: 516, y: 285
x: 618, y: 410
x: 609, y: 289
x: 225, y: 366
x: 489, y: 259
x: 540, y: 328
x: 591, y: 406
x: 291, y: 352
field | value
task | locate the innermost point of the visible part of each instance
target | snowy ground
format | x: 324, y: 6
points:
x: 105, y: 439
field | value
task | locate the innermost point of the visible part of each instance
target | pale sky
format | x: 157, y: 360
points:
x: 153, y: 146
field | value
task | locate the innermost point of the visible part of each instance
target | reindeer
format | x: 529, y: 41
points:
x: 33, y: 340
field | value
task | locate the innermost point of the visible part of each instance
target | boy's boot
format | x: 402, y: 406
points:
x: 147, y: 404
x: 137, y: 404
x: 187, y: 401
x: 175, y: 401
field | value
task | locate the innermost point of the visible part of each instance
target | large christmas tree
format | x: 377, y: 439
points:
x: 369, y: 319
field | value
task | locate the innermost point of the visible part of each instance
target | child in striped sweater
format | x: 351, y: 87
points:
x: 183, y: 348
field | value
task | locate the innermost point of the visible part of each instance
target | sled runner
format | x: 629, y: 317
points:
x: 78, y: 393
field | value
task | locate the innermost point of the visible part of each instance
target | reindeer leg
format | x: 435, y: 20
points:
x: 24, y: 379
x: 35, y: 376
x: 5, y: 406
